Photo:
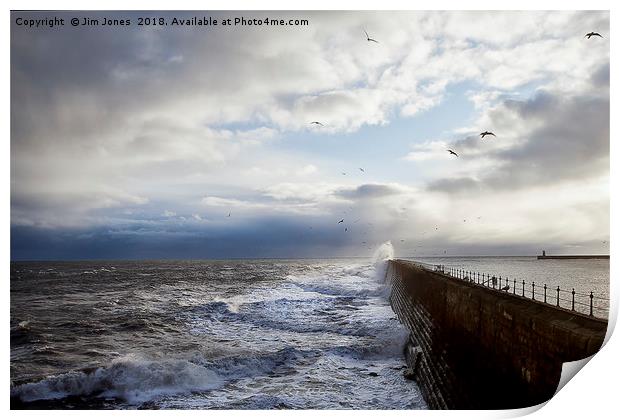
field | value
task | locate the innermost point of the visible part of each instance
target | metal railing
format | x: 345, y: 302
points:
x: 572, y: 300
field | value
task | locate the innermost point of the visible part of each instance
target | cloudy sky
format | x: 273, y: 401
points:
x: 138, y: 142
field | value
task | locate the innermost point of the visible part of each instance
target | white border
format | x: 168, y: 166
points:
x: 591, y: 394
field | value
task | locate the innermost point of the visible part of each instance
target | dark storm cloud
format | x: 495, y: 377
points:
x: 569, y: 141
x: 368, y: 191
x: 266, y: 237
x: 600, y: 77
x: 452, y: 185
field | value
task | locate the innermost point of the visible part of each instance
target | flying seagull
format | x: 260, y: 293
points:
x: 345, y: 229
x: 453, y: 153
x: 369, y: 39
x: 316, y: 123
x: 341, y: 221
x: 344, y: 173
x: 361, y: 169
x: 487, y: 133
x: 591, y: 34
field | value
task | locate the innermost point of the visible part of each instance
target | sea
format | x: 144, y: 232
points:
x: 237, y: 334
x: 585, y: 276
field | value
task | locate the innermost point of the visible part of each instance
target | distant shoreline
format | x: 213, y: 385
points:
x: 572, y: 257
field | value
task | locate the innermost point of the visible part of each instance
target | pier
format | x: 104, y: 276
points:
x: 544, y: 256
x: 477, y: 344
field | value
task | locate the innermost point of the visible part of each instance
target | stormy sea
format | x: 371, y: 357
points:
x: 236, y: 334
x: 243, y: 334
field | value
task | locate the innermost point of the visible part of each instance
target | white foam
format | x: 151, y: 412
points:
x: 131, y: 378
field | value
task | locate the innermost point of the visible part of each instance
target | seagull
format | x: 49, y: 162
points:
x: 345, y: 229
x: 341, y: 221
x: 344, y: 173
x: 487, y: 133
x: 591, y: 34
x: 361, y: 169
x: 369, y: 39
x: 316, y: 123
x: 452, y: 152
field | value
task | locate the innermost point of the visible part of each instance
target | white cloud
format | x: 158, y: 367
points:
x: 307, y: 170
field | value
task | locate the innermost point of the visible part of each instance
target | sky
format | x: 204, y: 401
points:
x: 139, y: 142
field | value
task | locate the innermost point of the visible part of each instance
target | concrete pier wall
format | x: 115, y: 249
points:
x: 476, y: 348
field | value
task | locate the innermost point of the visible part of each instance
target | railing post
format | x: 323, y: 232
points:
x: 478, y: 281
x: 558, y: 297
x: 573, y: 306
x: 523, y: 289
x: 591, y: 305
x: 514, y: 287
x: 545, y: 292
x: 533, y: 285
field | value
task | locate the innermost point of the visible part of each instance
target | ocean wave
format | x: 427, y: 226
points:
x: 238, y: 367
x: 130, y: 378
x: 335, y: 289
x: 136, y: 379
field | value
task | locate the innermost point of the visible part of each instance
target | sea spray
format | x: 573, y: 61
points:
x: 380, y: 258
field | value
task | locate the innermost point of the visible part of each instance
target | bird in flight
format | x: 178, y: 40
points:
x: 341, y: 221
x: 487, y: 133
x: 316, y: 123
x: 369, y: 39
x: 344, y: 173
x: 361, y: 169
x: 591, y: 34
x: 452, y: 152
x: 345, y: 229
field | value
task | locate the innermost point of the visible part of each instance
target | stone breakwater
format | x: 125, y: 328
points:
x: 476, y: 348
